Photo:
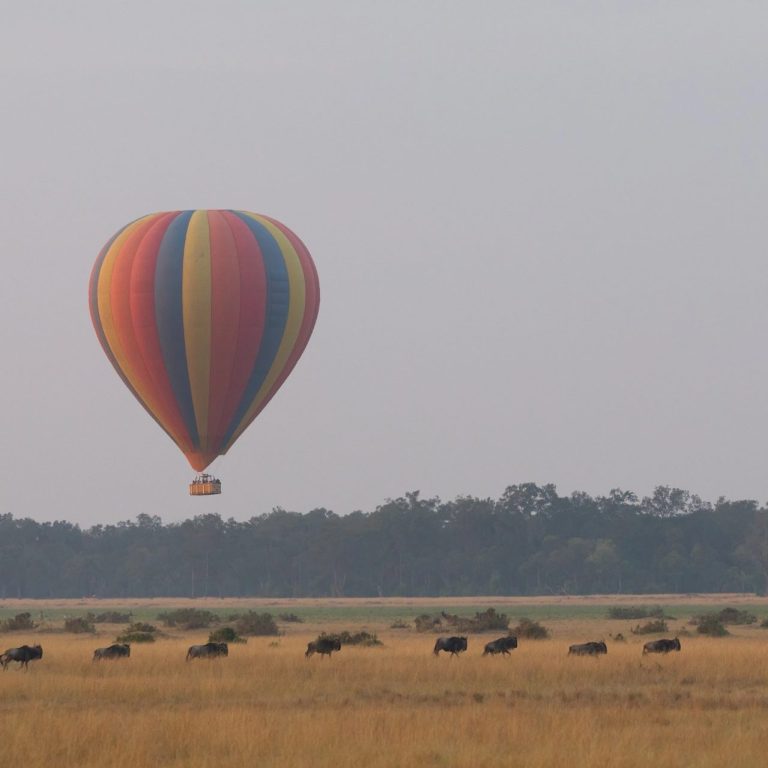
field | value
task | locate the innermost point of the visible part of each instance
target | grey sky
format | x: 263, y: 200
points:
x: 539, y: 227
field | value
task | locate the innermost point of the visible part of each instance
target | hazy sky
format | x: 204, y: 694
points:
x: 539, y: 228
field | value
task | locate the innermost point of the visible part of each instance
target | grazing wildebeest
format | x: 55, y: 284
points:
x: 501, y: 645
x: 588, y: 649
x: 115, y: 651
x: 324, y: 646
x: 661, y: 646
x: 452, y: 645
x: 23, y: 655
x: 207, y: 651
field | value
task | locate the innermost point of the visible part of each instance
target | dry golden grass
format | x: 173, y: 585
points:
x: 267, y: 705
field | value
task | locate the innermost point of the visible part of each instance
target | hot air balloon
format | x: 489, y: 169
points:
x: 203, y: 315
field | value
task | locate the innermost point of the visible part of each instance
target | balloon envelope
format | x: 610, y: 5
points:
x: 204, y: 314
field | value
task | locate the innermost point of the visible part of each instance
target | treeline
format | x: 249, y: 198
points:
x: 530, y: 541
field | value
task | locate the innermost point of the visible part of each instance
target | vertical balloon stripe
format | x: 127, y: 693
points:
x: 93, y: 297
x: 145, y: 329
x: 132, y: 361
x: 311, y: 307
x: 103, y: 291
x: 253, y: 308
x: 308, y: 266
x: 311, y: 282
x: 294, y: 315
x: 276, y: 315
x: 101, y: 309
x: 93, y: 301
x: 170, y: 317
x: 225, y: 320
x: 111, y: 310
x: 196, y: 302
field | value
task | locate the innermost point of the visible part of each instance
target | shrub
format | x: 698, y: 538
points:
x: 399, y: 624
x: 188, y: 618
x: 636, y: 612
x: 139, y: 632
x: 712, y: 626
x: 482, y: 621
x: 347, y: 638
x: 225, y: 635
x: 426, y: 623
x: 20, y: 622
x: 253, y: 623
x: 110, y: 617
x: 735, y: 616
x: 529, y: 629
x: 651, y: 628
x: 365, y: 639
x: 291, y: 618
x: 136, y: 637
x: 79, y: 625
x: 488, y: 620
x: 142, y: 626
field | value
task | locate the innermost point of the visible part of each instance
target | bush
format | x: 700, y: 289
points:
x: 651, y: 628
x: 727, y: 616
x: 636, y: 612
x: 139, y: 632
x: 136, y: 637
x: 20, y: 622
x: 253, y: 623
x: 142, y: 626
x: 483, y: 621
x: 488, y: 621
x: 735, y: 616
x: 365, y: 639
x: 225, y: 635
x: 711, y: 626
x: 291, y: 618
x: 529, y: 629
x: 426, y: 623
x: 110, y: 617
x: 188, y: 618
x: 79, y: 625
x: 347, y: 638
x: 399, y: 624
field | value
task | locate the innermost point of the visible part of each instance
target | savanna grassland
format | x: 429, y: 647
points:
x: 394, y: 705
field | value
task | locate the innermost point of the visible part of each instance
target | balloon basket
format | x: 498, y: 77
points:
x: 205, y: 485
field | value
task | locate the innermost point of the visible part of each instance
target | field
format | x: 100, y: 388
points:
x: 394, y: 705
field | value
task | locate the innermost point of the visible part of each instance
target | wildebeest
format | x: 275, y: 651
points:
x: 114, y: 651
x: 207, y: 651
x: 501, y: 645
x: 23, y: 655
x: 452, y: 645
x: 661, y: 646
x: 588, y: 649
x: 324, y: 646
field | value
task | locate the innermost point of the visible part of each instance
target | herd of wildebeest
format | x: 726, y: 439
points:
x: 326, y: 646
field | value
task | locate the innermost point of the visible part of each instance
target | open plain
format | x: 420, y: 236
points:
x: 395, y: 704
